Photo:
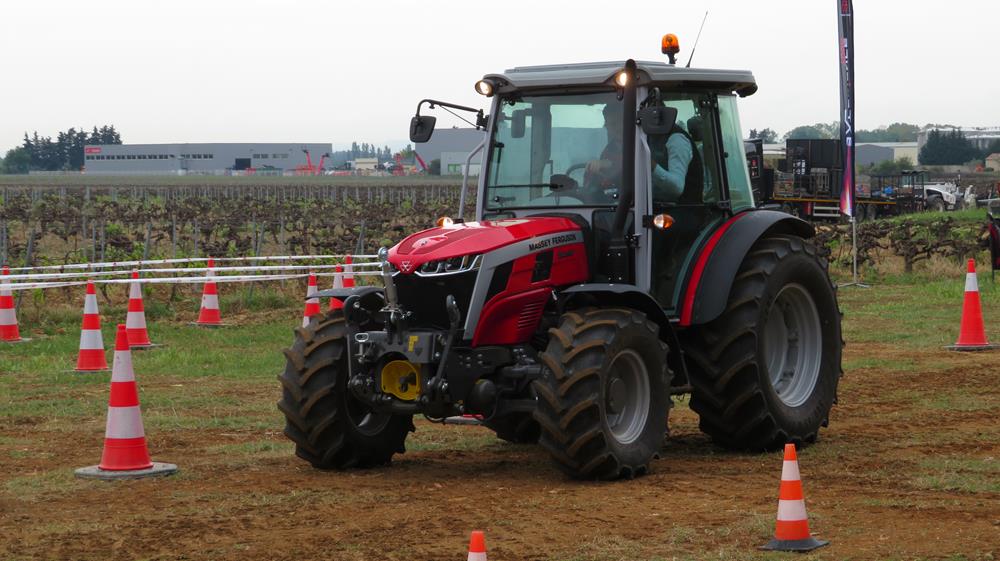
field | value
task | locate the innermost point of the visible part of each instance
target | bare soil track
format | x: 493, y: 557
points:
x: 907, y: 469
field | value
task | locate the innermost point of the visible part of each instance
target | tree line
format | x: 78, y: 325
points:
x: 896, y: 132
x: 64, y: 153
x: 943, y: 147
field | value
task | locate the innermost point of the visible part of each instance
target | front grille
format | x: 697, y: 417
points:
x: 424, y: 296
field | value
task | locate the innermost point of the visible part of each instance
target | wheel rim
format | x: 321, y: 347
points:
x: 793, y: 345
x: 626, y: 399
x: 365, y: 420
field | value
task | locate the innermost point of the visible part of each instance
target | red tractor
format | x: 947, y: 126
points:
x: 616, y: 260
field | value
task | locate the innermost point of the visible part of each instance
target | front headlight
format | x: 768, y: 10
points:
x: 449, y: 266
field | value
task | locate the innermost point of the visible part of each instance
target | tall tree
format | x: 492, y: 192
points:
x: 17, y: 160
x: 766, y: 135
x: 947, y: 149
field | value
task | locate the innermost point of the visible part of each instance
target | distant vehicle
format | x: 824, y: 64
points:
x: 942, y: 196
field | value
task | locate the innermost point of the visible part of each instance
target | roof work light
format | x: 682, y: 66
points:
x: 485, y: 87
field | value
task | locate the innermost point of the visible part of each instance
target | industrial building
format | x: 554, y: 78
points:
x: 868, y: 153
x: 205, y: 159
x: 451, y: 147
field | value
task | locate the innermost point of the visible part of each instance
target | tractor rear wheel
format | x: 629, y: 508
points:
x: 604, y: 394
x: 765, y: 372
x: 329, y: 426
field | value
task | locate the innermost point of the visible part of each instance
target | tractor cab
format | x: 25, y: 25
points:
x: 646, y: 157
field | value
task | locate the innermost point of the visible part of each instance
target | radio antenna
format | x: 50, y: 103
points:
x: 696, y: 39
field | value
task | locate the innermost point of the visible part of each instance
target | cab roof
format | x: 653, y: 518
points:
x: 602, y: 73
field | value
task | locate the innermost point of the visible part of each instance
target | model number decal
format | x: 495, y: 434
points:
x: 555, y: 240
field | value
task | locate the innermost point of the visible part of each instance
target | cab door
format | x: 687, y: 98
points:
x: 691, y: 197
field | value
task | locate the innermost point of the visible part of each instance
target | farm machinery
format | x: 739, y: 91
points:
x: 615, y: 259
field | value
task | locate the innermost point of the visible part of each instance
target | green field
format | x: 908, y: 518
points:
x: 208, y: 399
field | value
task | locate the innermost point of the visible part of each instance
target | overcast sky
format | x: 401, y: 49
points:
x: 315, y: 71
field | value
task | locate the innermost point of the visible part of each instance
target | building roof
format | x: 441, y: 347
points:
x: 994, y: 156
x: 602, y: 73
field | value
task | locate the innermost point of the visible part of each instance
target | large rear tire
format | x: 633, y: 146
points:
x: 604, y: 395
x: 331, y: 429
x: 765, y: 372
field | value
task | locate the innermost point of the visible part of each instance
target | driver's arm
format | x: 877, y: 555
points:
x: 668, y: 181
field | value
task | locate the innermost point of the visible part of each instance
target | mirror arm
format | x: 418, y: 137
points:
x: 481, y: 119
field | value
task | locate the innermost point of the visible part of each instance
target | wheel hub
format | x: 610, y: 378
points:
x: 626, y: 397
x: 793, y: 345
x: 617, y: 395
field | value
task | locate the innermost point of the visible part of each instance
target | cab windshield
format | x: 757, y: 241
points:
x: 556, y: 151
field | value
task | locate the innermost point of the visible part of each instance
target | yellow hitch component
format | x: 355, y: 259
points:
x: 401, y: 378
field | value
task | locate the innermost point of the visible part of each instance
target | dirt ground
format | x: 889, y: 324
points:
x: 906, y: 470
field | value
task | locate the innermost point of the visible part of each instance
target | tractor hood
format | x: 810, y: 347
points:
x: 472, y: 238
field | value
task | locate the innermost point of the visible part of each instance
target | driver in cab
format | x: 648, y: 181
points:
x: 674, y: 178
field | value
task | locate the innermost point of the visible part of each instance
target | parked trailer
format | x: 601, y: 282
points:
x: 807, y: 183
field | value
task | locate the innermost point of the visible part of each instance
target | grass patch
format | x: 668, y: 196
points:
x: 974, y: 475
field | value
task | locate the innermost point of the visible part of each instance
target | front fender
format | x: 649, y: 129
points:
x: 631, y: 296
x: 716, y: 266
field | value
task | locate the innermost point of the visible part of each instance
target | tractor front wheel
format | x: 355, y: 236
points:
x: 331, y: 428
x: 765, y: 372
x: 604, y: 395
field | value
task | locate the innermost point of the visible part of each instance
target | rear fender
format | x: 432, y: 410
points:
x: 707, y: 292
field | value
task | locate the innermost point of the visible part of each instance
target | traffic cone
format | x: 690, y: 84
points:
x: 972, y: 334
x: 338, y: 282
x: 477, y: 546
x: 348, y: 272
x: 312, y: 303
x: 9, y: 332
x: 209, y: 314
x: 91, y: 357
x: 125, y: 453
x: 135, y: 319
x: 791, y: 532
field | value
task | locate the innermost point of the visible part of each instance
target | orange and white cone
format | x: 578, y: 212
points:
x: 9, y: 331
x: 972, y: 334
x: 477, y: 546
x: 338, y: 282
x: 135, y: 319
x: 348, y: 272
x: 791, y: 532
x: 209, y: 314
x: 91, y: 357
x: 125, y: 451
x: 312, y: 302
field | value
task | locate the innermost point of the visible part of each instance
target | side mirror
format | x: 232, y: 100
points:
x: 657, y: 119
x: 421, y: 128
x: 517, y: 125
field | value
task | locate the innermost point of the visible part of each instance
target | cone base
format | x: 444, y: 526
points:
x: 807, y: 544
x: 971, y: 348
x: 105, y: 369
x: 144, y: 347
x: 15, y: 341
x: 196, y: 324
x: 94, y: 472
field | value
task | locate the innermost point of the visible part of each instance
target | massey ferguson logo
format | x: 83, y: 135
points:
x: 557, y: 240
x: 405, y: 266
